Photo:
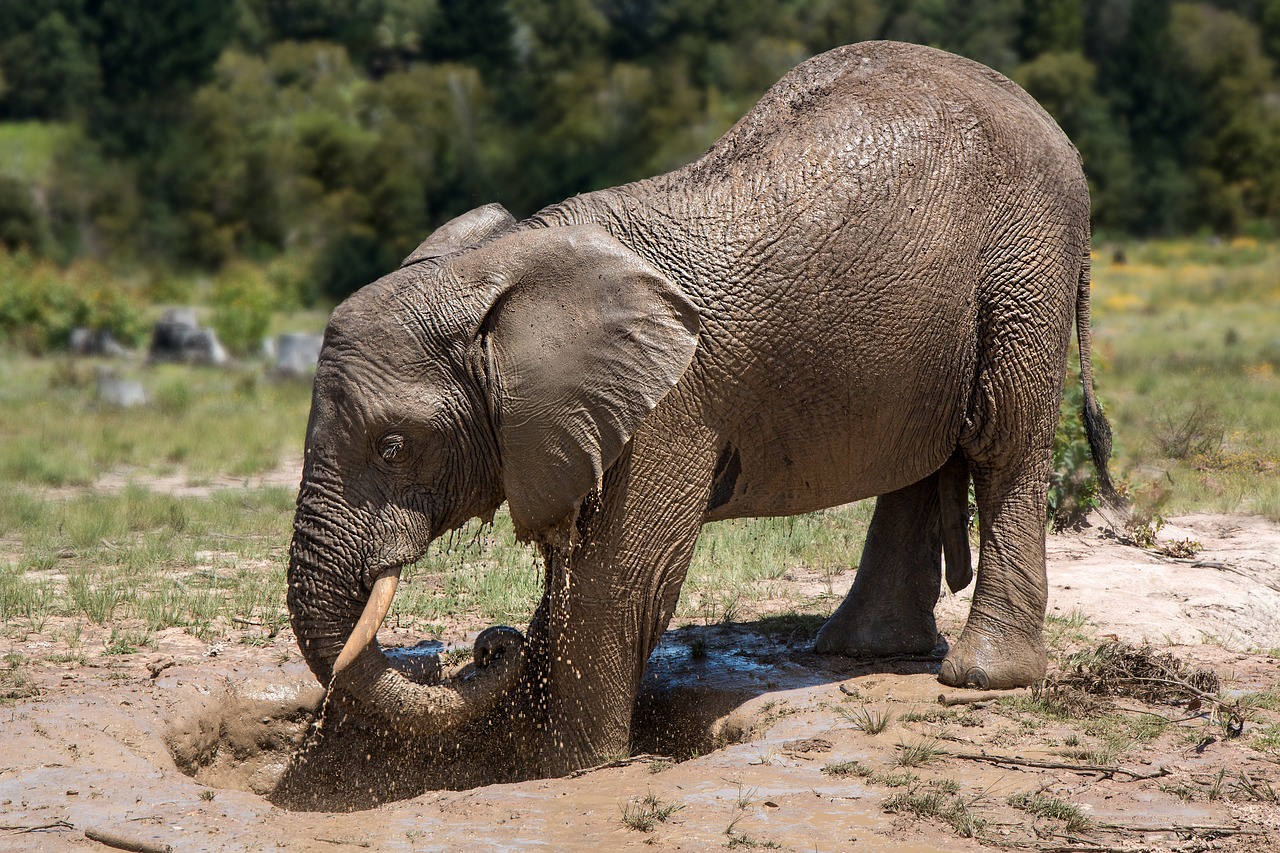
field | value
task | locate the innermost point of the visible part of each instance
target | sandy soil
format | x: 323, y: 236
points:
x: 95, y: 749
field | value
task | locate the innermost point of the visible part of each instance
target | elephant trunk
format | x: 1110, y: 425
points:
x: 336, y: 626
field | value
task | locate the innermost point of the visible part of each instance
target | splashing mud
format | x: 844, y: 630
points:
x: 307, y: 750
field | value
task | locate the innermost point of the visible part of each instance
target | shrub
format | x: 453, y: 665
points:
x: 243, y: 300
x: 41, y: 303
x: 1073, y: 483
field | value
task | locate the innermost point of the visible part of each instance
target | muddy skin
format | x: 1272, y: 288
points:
x: 629, y: 364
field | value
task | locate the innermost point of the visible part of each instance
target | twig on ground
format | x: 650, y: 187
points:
x: 1104, y: 769
x: 39, y: 827
x: 645, y: 758
x: 349, y: 842
x: 975, y: 698
x: 1195, y: 829
x: 124, y: 842
x: 1082, y: 848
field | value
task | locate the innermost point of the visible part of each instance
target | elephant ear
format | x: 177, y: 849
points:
x: 583, y: 340
x: 462, y: 231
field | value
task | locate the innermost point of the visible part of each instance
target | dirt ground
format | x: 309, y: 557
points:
x: 796, y: 766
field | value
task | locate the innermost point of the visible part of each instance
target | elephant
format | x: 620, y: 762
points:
x: 865, y: 288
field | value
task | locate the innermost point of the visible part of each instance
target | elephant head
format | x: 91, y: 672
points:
x: 501, y: 362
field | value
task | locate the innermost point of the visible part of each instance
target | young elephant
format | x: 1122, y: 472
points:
x: 866, y: 287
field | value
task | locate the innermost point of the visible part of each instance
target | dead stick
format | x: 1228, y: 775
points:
x: 1076, y: 849
x: 620, y: 762
x: 121, y: 842
x: 347, y: 842
x: 40, y: 827
x: 1193, y: 828
x: 1082, y: 848
x: 1056, y: 765
x: 971, y: 698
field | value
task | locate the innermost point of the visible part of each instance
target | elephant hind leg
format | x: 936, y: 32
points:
x: 889, y: 610
x: 1008, y: 442
x: 1002, y: 643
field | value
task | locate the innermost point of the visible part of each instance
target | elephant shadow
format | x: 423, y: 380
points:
x: 697, y: 697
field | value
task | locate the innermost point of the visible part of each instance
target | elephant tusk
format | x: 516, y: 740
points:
x: 366, y: 629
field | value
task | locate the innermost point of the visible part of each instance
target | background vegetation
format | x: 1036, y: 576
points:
x: 263, y: 157
x: 188, y: 134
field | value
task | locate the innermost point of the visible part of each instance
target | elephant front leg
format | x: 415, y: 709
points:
x: 607, y: 602
x: 889, y: 610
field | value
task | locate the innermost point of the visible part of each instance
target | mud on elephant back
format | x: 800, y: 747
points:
x: 866, y: 288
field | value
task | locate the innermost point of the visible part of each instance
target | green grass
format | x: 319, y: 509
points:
x: 201, y: 422
x: 160, y: 560
x: 643, y: 814
x: 887, y: 778
x: 919, y: 752
x: 1188, y: 365
x: 1073, y: 819
x: 871, y: 720
x: 27, y: 148
x: 735, y: 561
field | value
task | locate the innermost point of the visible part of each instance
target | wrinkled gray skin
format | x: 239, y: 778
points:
x: 866, y: 287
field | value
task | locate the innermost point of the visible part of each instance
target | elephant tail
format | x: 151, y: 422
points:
x: 1096, y: 426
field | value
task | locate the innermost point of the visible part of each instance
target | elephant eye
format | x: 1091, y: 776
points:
x: 391, y: 447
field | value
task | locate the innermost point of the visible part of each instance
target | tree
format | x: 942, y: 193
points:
x: 22, y: 226
x: 152, y: 57
x: 1050, y: 26
x: 48, y: 71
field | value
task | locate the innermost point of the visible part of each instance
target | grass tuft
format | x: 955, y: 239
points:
x: 919, y: 753
x: 1073, y: 819
x: 866, y: 718
x: 644, y: 813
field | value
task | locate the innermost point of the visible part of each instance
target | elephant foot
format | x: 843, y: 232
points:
x: 994, y: 662
x: 845, y: 633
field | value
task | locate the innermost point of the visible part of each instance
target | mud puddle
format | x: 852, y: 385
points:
x: 280, y: 739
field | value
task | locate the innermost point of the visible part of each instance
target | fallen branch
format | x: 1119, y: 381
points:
x: 347, y: 841
x: 124, y: 842
x: 974, y: 698
x: 1071, y: 848
x: 1194, y: 829
x: 39, y: 827
x: 1103, y: 769
x: 620, y: 762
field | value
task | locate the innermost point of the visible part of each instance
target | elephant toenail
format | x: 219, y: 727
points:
x: 949, y: 674
x: 977, y: 677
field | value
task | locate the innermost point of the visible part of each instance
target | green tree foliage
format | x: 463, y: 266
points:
x: 343, y: 131
x: 21, y: 226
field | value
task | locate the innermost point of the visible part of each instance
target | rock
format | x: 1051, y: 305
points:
x: 297, y: 354
x: 96, y: 342
x: 177, y: 337
x: 123, y: 393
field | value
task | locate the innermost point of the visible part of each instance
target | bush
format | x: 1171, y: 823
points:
x: 1073, y: 483
x: 243, y: 300
x: 41, y: 304
x: 22, y: 225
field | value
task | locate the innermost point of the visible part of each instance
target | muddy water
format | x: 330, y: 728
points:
x: 189, y: 758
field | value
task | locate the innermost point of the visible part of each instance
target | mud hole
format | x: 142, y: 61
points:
x: 287, y: 742
x: 745, y: 738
